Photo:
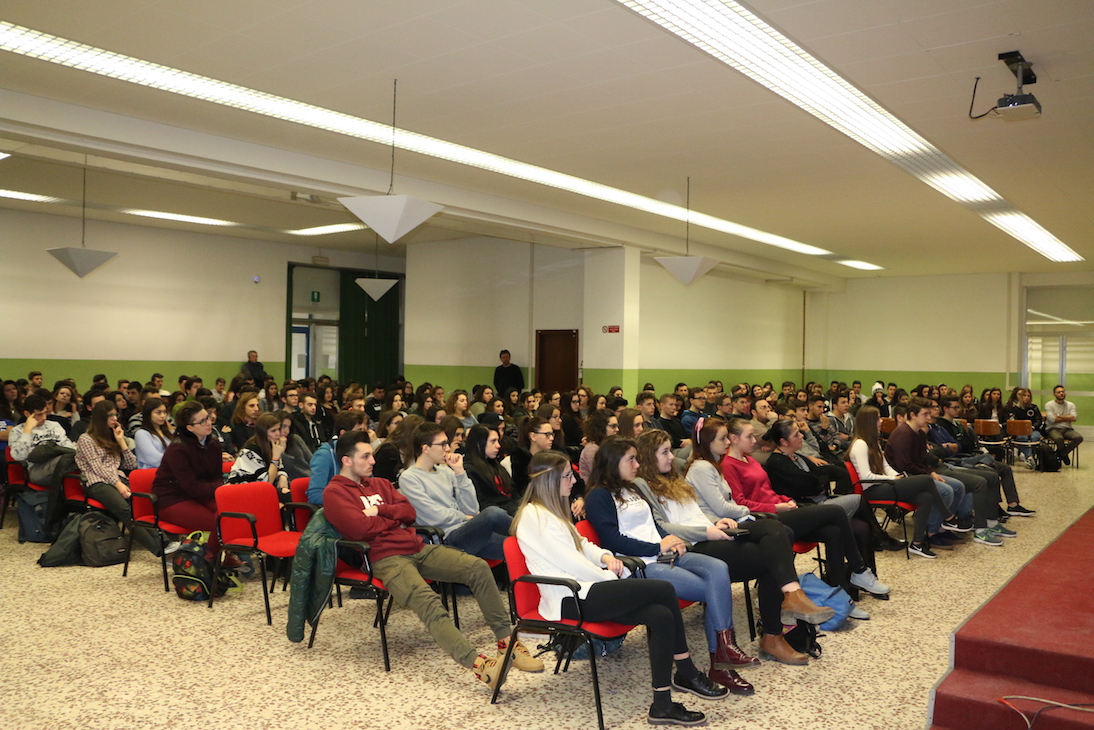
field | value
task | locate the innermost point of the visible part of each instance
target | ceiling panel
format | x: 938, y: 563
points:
x: 589, y: 88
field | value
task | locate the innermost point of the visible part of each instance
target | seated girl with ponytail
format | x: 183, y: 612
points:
x: 552, y: 547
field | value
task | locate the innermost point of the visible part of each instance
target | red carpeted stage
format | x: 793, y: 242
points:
x: 1034, y: 638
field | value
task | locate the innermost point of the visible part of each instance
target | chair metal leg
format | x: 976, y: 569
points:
x: 455, y: 605
x: 504, y: 669
x: 273, y: 574
x: 286, y: 574
x: 265, y: 593
x: 596, y: 682
x: 314, y: 628
x: 749, y: 611
x: 382, y: 621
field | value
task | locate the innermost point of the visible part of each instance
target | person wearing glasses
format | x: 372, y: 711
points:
x: 552, y: 547
x: 598, y: 426
x: 533, y: 436
x: 190, y: 473
x: 104, y: 459
x: 438, y: 487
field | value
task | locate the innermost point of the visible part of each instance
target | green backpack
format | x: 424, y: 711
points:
x: 193, y: 568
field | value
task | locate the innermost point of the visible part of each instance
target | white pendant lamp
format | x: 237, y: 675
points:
x: 688, y: 269
x: 391, y: 216
x: 82, y: 261
x: 376, y: 288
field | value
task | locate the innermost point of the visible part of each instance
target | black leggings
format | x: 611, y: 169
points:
x: 827, y: 523
x: 764, y: 555
x: 918, y: 489
x: 651, y: 603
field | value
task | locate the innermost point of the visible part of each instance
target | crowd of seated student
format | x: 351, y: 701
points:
x: 462, y: 471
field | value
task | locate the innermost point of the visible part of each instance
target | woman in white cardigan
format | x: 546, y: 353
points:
x: 552, y: 547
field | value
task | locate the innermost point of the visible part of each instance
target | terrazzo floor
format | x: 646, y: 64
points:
x: 85, y: 648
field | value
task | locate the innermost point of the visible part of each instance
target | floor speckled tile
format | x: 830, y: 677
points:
x: 84, y: 648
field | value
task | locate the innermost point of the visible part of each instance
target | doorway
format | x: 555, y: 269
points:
x: 556, y: 360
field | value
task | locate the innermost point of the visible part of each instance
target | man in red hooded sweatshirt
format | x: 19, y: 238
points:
x: 367, y: 508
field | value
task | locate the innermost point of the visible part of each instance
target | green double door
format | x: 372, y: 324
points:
x: 368, y: 332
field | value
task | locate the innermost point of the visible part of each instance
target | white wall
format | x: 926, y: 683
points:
x: 718, y: 323
x: 468, y: 299
x: 959, y: 323
x: 168, y: 295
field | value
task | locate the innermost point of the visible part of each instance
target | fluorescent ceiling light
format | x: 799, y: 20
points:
x: 1028, y: 231
x: 732, y: 34
x: 33, y: 197
x: 324, y: 230
x: 34, y: 44
x: 182, y: 218
x: 177, y: 217
x: 863, y: 265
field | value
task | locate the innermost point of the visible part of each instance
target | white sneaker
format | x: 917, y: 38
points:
x: 858, y: 613
x: 867, y: 581
x: 172, y: 547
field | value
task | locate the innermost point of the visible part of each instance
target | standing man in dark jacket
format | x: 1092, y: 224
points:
x: 507, y: 375
x: 253, y: 369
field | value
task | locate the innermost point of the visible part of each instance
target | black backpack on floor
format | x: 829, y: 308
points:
x: 101, y: 540
x: 1047, y: 458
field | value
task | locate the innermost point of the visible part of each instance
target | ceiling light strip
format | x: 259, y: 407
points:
x: 181, y: 217
x: 34, y: 44
x: 732, y: 34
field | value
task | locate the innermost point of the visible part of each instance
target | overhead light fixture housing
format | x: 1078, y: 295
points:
x: 81, y: 261
x: 687, y: 268
x: 391, y: 216
x: 728, y: 31
x: 46, y: 47
x: 376, y: 288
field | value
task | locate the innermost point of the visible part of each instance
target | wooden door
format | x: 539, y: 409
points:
x: 556, y: 360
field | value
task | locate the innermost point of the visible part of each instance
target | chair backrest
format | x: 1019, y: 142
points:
x: 856, y: 483
x: 887, y: 425
x: 586, y: 530
x: 17, y: 475
x: 986, y: 427
x: 1019, y: 428
x: 257, y: 498
x: 140, y: 480
x: 299, y: 489
x: 226, y: 466
x: 525, y: 595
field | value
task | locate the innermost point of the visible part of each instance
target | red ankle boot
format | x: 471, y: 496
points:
x: 729, y: 655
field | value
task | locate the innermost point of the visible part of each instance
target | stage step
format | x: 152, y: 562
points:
x: 970, y: 700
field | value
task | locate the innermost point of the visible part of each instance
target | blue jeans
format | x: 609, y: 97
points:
x: 483, y: 535
x: 954, y: 497
x: 1027, y: 451
x: 699, y: 577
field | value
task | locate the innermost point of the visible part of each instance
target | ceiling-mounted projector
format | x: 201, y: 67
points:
x: 1018, y: 107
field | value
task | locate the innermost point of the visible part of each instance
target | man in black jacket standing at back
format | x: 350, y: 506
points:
x: 507, y: 375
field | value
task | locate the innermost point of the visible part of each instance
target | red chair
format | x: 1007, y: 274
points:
x: 226, y: 466
x: 524, y: 606
x: 146, y: 516
x: 250, y: 520
x: 18, y: 481
x: 76, y: 496
x: 298, y: 518
x: 895, y: 510
x: 346, y: 575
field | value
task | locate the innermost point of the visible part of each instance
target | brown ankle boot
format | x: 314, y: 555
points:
x: 729, y: 655
x: 731, y: 680
x: 796, y: 605
x: 777, y: 648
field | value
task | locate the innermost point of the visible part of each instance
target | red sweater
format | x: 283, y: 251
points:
x: 389, y: 532
x: 750, y: 484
